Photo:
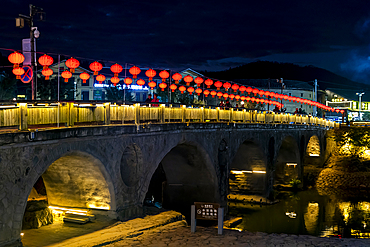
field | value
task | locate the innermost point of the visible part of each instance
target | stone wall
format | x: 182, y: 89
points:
x: 334, y: 178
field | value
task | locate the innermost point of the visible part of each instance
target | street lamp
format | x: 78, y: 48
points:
x: 34, y: 33
x: 359, y: 103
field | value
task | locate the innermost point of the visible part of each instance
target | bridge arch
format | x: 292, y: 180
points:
x: 288, y: 161
x: 248, y: 170
x: 184, y: 174
x: 74, y: 179
x: 313, y: 154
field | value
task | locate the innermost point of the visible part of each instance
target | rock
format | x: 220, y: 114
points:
x: 36, y: 218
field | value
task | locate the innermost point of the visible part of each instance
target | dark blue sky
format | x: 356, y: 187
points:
x: 203, y: 35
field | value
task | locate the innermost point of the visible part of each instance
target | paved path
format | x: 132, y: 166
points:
x: 168, y: 229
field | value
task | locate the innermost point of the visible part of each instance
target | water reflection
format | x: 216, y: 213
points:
x: 308, y: 212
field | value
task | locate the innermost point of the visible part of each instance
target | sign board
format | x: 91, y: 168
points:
x: 26, y: 50
x: 28, y: 74
x: 206, y: 210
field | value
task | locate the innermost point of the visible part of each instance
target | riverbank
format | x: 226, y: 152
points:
x: 170, y: 229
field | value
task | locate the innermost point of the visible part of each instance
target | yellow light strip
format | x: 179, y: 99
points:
x: 315, y: 155
x: 259, y: 172
x: 96, y: 207
x: 68, y: 210
x: 291, y: 164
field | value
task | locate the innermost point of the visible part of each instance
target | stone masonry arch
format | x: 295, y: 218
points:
x: 288, y: 161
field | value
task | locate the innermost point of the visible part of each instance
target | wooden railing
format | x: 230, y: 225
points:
x: 23, y: 115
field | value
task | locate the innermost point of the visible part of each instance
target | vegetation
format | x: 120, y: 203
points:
x: 352, y: 148
x: 295, y: 183
x: 48, y: 89
x: 8, y: 86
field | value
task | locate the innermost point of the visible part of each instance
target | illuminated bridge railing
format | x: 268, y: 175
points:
x: 24, y: 116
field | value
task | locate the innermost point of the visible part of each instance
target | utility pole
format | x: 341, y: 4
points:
x: 360, y: 103
x: 315, y: 98
x: 34, y: 33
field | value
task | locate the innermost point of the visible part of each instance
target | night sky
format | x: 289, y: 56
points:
x: 203, y: 35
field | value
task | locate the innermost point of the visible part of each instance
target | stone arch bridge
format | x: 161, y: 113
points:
x: 111, y: 168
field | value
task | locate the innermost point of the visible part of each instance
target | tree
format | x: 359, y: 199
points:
x: 48, y: 89
x: 8, y: 86
x: 114, y: 94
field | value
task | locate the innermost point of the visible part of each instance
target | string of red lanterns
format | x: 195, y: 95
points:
x: 72, y: 63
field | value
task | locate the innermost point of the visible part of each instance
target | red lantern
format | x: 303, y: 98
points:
x: 72, y: 63
x: 182, y: 89
x: 235, y: 87
x: 116, y: 69
x: 162, y: 85
x: 218, y: 85
x: 190, y: 90
x: 253, y: 99
x: 127, y: 80
x: 84, y: 76
x: 337, y: 110
x: 150, y: 73
x: 267, y: 93
x: 261, y: 93
x: 188, y: 79
x: 114, y: 80
x: 272, y: 94
x: 342, y: 111
x: 213, y: 93
x: 16, y: 58
x: 231, y: 96
x: 237, y: 97
x: 134, y: 71
x: 208, y: 82
x: 206, y: 93
x: 140, y: 82
x: 285, y: 97
x: 227, y: 85
x: 100, y: 78
x: 198, y: 91
x: 152, y: 84
x: 66, y: 75
x: 244, y: 98
x: 47, y: 73
x: 255, y: 91
x: 164, y: 75
x: 249, y: 90
x: 96, y: 67
x: 262, y: 101
x: 242, y: 89
x: 173, y: 87
x: 45, y: 61
x: 219, y: 94
x: 198, y: 81
x: 18, y: 72
x: 177, y: 77
x: 225, y: 95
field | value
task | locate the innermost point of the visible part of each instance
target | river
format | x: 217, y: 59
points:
x: 307, y: 212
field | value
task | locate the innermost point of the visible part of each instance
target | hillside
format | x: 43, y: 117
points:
x: 288, y: 71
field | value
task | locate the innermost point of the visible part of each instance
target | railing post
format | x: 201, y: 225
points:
x: 22, y: 116
x: 183, y: 114
x: 231, y: 117
x: 244, y: 116
x: 218, y: 114
x: 137, y: 113
x: 202, y: 115
x: 107, y: 113
x: 162, y: 110
x: 70, y: 114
